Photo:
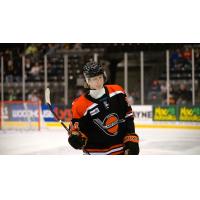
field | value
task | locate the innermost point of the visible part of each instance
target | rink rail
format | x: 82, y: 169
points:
x: 147, y: 125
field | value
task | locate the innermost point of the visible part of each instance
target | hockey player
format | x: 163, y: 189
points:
x: 102, y: 121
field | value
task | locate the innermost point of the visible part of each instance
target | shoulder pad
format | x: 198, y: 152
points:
x: 114, y: 88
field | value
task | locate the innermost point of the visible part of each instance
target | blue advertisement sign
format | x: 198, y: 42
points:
x: 62, y: 112
x: 21, y: 112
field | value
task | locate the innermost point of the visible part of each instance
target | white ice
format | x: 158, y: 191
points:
x: 53, y: 141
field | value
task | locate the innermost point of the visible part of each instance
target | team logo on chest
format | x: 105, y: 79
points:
x: 110, y: 124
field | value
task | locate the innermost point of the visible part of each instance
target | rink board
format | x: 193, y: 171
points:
x: 20, y: 125
x: 147, y: 125
x: 143, y: 119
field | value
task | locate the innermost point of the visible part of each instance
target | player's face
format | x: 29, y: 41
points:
x: 96, y: 82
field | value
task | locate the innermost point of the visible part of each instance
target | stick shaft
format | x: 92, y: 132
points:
x: 56, y: 116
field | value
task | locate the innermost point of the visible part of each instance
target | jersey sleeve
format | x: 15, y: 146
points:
x: 113, y: 89
x: 75, y: 113
x: 79, y: 111
x: 129, y: 117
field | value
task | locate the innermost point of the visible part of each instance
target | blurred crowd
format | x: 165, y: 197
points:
x: 179, y: 94
x: 180, y: 68
x: 182, y: 59
x: 34, y: 60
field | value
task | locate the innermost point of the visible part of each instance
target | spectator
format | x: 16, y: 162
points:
x: 155, y: 87
x: 184, y: 95
x: 11, y: 95
x: 134, y: 98
x: 9, y: 71
x: 77, y: 46
x: 35, y: 70
x: 172, y: 95
x: 187, y: 56
x: 130, y: 99
x: 175, y: 59
x: 163, y: 89
x: 51, y: 49
x: 66, y: 46
x: 155, y: 92
x: 31, y: 49
x: 18, y: 94
x: 33, y: 96
x: 28, y: 65
x: 7, y: 56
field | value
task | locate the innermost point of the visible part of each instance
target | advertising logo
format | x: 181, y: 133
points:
x: 189, y: 114
x: 167, y: 113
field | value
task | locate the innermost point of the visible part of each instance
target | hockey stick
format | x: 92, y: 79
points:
x: 48, y: 102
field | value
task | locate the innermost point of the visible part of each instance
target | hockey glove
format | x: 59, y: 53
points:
x: 131, y: 144
x: 76, y: 138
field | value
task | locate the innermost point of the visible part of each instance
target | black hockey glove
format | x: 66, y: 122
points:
x: 77, y: 141
x: 131, y: 144
x: 76, y: 138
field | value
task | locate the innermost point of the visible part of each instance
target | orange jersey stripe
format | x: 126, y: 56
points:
x: 131, y: 138
x: 114, y: 88
x: 80, y: 106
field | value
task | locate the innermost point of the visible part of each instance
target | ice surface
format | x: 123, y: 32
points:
x: 168, y: 141
x: 44, y: 142
x: 53, y: 141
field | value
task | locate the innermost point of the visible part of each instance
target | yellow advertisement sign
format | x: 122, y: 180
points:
x: 164, y: 113
x: 191, y: 113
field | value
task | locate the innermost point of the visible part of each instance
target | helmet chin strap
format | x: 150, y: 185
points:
x: 97, y: 93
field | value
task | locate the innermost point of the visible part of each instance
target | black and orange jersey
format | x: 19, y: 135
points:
x: 105, y: 121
